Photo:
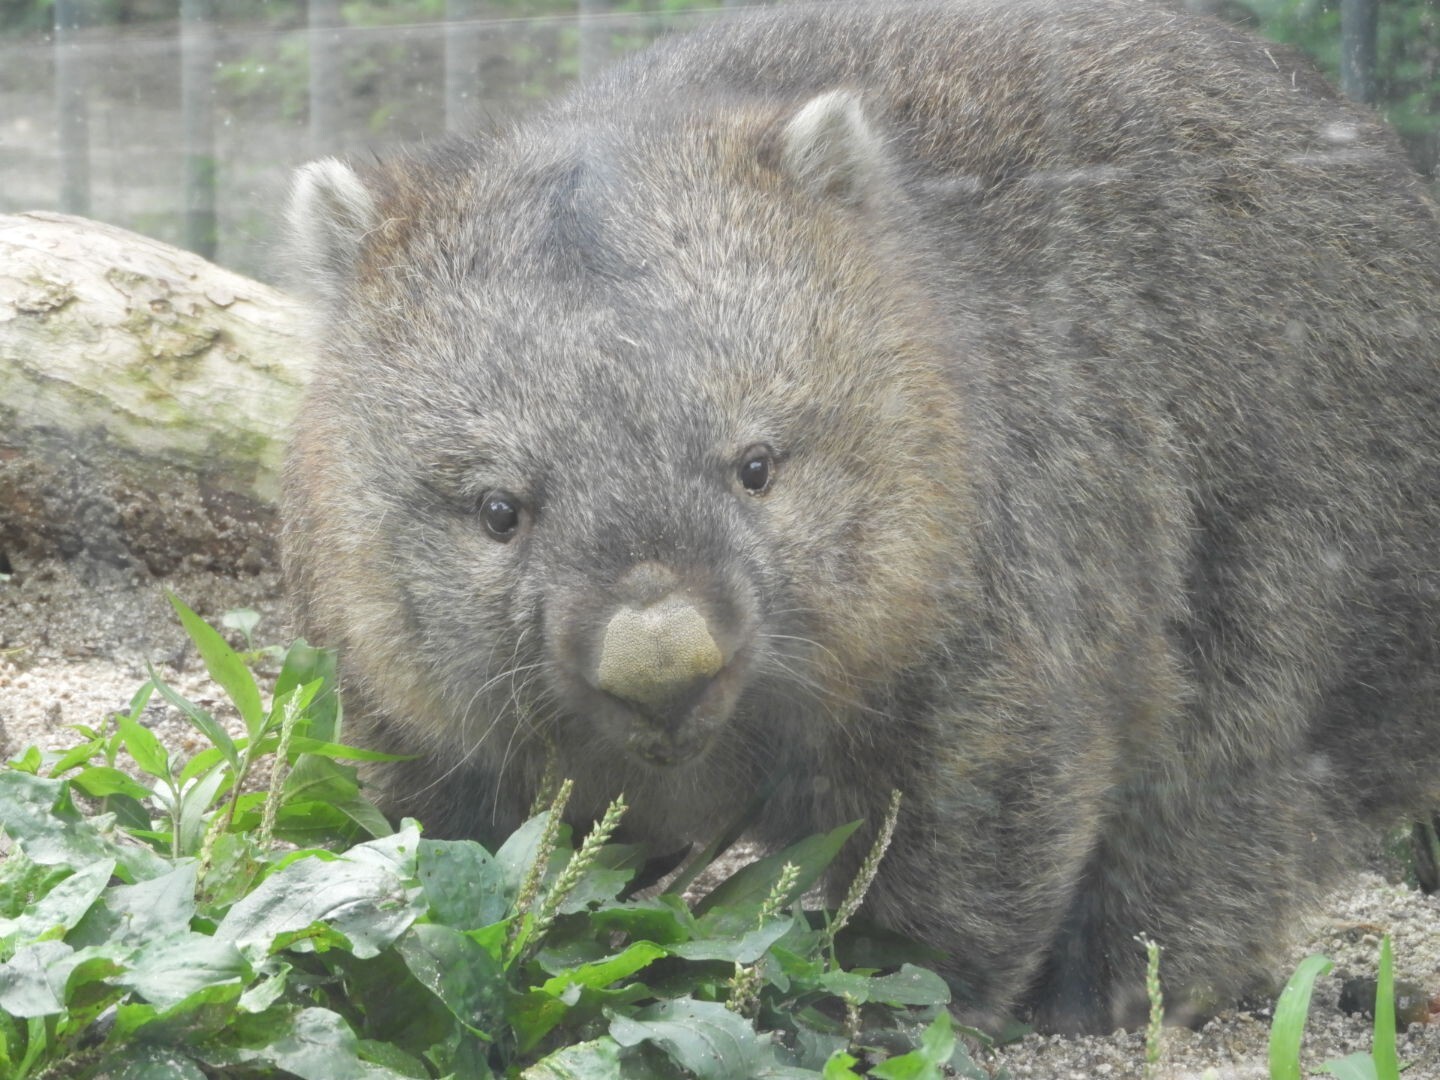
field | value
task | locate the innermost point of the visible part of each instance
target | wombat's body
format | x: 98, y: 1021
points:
x: 1034, y: 407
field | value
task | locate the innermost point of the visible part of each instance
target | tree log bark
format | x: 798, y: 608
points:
x: 144, y: 398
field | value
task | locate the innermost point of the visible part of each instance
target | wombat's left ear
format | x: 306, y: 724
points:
x: 331, y: 211
x: 831, y: 150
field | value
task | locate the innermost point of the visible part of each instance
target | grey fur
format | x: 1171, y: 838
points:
x: 1094, y: 348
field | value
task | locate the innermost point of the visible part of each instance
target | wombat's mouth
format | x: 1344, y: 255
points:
x: 667, y: 748
x: 660, y: 671
x: 682, y: 730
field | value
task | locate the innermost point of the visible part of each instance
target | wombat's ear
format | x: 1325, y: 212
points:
x: 330, y: 213
x: 831, y: 150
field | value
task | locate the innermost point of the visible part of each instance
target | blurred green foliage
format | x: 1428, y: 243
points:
x: 1408, y: 60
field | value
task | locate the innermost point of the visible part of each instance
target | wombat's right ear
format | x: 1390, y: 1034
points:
x: 330, y: 213
x: 829, y: 147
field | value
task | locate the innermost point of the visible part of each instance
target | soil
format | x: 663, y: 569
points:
x: 75, y: 640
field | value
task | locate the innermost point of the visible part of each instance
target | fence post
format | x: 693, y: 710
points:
x: 73, y: 115
x: 594, y: 37
x: 324, y: 23
x: 1359, y: 35
x: 463, y: 38
x: 197, y: 120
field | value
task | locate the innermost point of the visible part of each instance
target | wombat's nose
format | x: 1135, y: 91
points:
x: 658, y: 655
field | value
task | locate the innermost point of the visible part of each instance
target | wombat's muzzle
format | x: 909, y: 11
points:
x: 659, y: 657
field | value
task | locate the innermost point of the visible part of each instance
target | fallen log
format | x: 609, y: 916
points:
x: 144, y: 398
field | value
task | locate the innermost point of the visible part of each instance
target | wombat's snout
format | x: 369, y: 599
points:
x: 657, y: 657
x: 657, y: 654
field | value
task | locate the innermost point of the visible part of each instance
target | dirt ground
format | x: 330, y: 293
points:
x: 74, y: 642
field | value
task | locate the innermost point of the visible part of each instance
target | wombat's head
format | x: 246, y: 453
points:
x: 641, y: 431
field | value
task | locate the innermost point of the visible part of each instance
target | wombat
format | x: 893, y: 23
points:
x: 1031, y: 406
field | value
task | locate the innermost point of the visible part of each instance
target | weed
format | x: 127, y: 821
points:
x: 1287, y: 1028
x: 184, y: 925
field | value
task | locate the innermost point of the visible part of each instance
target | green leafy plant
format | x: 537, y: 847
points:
x: 1293, y: 1006
x: 158, y: 919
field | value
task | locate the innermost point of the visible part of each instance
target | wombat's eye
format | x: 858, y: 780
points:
x: 501, y: 514
x: 757, y: 470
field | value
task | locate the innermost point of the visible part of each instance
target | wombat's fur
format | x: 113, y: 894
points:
x: 1083, y: 357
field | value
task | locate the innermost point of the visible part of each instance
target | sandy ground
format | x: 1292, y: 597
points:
x: 74, y: 643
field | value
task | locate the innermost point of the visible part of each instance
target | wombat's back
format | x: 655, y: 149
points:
x: 1029, y: 405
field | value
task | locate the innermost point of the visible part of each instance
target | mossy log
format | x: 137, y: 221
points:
x: 144, y: 398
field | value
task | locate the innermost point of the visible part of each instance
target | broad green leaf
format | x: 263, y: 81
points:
x: 139, y: 1061
x: 208, y: 758
x: 924, y: 1063
x: 321, y: 824
x: 199, y: 718
x: 614, y: 866
x: 304, y: 664
x: 534, y: 1014
x: 89, y: 988
x: 225, y: 667
x: 462, y: 974
x: 340, y: 751
x: 313, y: 1044
x: 23, y: 881
x: 78, y: 755
x: 1356, y: 1066
x: 318, y: 937
x: 750, y: 885
x: 908, y: 986
x: 297, y: 698
x: 234, y: 867
x: 32, y: 982
x: 839, y: 1067
x: 98, y: 781
x: 392, y: 1057
x: 170, y: 970
x: 318, y: 779
x: 814, y: 1049
x: 702, y: 1036
x: 1291, y: 1009
x: 906, y: 1067
x: 491, y: 938
x: 517, y: 853
x: 463, y: 883
x: 144, y: 747
x: 136, y: 914
x: 598, y: 1059
x: 259, y: 996
x: 395, y: 852
x: 38, y: 813
x: 36, y: 1039
x: 396, y: 1008
x: 602, y: 973
x: 745, y: 949
x: 129, y: 813
x: 64, y: 905
x: 200, y: 1014
x: 365, y: 902
x: 664, y: 920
